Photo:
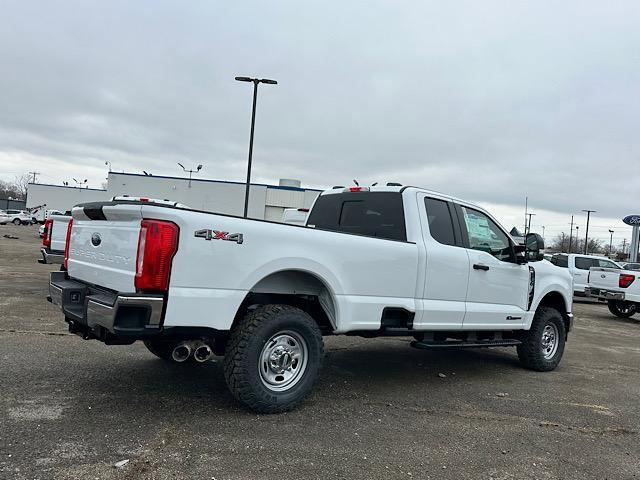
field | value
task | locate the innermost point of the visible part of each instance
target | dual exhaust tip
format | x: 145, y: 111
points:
x: 200, y: 351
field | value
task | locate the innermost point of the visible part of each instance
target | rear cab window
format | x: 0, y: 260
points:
x: 372, y: 214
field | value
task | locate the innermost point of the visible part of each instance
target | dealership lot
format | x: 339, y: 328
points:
x: 72, y: 409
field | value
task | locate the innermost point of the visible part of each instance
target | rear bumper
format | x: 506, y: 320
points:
x: 50, y: 256
x: 602, y: 294
x: 96, y: 313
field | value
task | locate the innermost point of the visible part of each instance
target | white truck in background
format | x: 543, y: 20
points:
x: 579, y: 265
x: 54, y: 239
x: 371, y: 261
x: 619, y: 288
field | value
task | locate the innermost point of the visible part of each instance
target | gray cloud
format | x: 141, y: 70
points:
x: 490, y: 101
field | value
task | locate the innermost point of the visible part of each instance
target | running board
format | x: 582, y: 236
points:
x: 463, y: 344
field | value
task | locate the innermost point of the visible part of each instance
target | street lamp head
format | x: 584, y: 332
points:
x: 270, y: 82
x: 244, y: 79
x: 199, y: 167
x: 610, y: 231
x: 182, y: 166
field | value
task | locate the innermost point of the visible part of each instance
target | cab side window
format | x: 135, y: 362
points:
x: 607, y: 264
x: 483, y: 234
x: 560, y: 261
x: 585, y: 263
x: 440, y: 221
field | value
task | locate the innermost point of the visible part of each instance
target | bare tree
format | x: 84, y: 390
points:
x: 561, y: 244
x: 8, y: 190
x: 20, y: 182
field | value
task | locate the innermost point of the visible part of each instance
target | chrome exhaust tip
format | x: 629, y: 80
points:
x: 181, y: 352
x: 202, y: 353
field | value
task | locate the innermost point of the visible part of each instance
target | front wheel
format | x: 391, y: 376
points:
x: 622, y: 309
x: 273, y: 358
x: 17, y: 221
x: 543, y: 345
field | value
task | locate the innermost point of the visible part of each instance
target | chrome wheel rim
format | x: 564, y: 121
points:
x: 549, y: 341
x: 283, y: 361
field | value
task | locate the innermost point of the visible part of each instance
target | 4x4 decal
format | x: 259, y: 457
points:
x: 218, y: 235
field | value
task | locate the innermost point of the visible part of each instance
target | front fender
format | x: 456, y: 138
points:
x: 550, y: 279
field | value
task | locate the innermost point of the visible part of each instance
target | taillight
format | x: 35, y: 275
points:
x: 356, y: 189
x: 48, y: 227
x: 157, y: 244
x: 625, y: 280
x: 66, y: 244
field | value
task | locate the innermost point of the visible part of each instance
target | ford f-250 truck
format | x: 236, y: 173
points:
x: 619, y: 288
x: 371, y: 261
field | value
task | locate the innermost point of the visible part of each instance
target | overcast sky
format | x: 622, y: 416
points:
x: 488, y: 101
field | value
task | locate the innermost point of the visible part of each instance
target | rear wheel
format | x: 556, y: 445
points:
x: 622, y: 309
x: 273, y: 358
x: 543, y: 345
x: 17, y: 221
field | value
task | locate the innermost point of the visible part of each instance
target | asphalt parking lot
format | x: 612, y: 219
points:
x: 72, y: 409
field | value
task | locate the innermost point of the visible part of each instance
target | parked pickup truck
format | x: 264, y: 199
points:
x: 54, y: 239
x: 371, y: 261
x: 579, y: 266
x: 619, y: 288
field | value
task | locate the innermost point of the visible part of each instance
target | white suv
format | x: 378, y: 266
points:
x: 18, y: 217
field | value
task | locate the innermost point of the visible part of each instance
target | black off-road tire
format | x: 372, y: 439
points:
x: 242, y: 361
x: 160, y: 349
x: 622, y: 309
x: 531, y: 353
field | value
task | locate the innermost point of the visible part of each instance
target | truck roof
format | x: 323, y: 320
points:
x: 396, y: 188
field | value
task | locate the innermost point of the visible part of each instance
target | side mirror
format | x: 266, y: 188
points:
x: 534, y: 244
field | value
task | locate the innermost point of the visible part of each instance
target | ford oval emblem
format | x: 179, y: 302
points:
x: 633, y: 220
x: 95, y: 239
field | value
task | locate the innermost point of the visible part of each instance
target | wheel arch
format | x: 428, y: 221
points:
x: 297, y: 287
x: 555, y: 299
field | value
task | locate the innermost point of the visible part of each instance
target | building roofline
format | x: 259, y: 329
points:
x: 279, y: 187
x: 67, y: 186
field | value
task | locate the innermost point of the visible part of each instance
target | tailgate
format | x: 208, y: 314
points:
x: 59, y: 232
x: 606, y: 278
x: 104, y: 245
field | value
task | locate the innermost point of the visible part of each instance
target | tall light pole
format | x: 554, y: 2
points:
x: 577, y: 241
x: 543, y: 233
x: 255, y: 82
x: 586, y: 237
x: 198, y: 168
x: 610, y: 241
x: 108, y: 163
x: 80, y: 183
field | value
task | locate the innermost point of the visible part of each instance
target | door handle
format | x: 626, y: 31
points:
x: 479, y: 266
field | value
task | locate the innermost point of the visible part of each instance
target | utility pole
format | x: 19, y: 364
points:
x: 526, y: 202
x: 34, y: 176
x: 255, y: 82
x: 570, y: 233
x: 543, y: 233
x: 577, y: 241
x: 586, y: 237
x: 528, y: 230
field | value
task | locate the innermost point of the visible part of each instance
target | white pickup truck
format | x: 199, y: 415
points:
x: 619, y: 288
x: 54, y: 239
x: 371, y: 261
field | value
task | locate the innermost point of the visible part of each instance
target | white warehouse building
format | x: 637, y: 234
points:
x: 266, y: 202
